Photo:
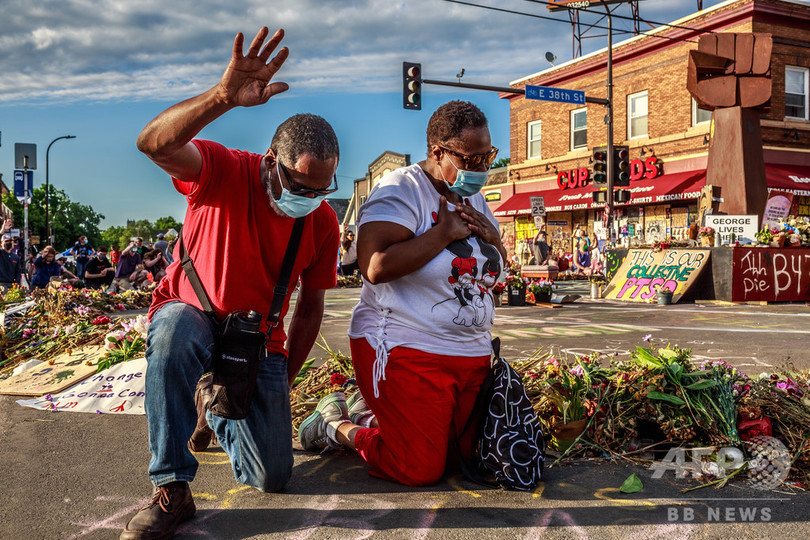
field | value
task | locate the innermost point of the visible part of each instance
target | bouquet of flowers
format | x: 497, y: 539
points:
x: 706, y: 232
x: 514, y: 279
x: 542, y: 287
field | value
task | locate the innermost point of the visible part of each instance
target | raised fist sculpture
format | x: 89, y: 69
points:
x: 730, y: 70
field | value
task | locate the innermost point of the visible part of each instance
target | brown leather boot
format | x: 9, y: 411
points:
x: 171, y: 505
x: 203, y: 434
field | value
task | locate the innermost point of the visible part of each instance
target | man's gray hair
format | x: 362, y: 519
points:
x: 304, y: 134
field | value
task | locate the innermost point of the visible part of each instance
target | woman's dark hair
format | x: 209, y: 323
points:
x: 451, y: 119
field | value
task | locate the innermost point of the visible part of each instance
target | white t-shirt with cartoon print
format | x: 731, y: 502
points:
x: 446, y: 306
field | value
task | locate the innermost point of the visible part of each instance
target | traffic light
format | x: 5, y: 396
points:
x: 622, y: 195
x: 622, y: 163
x: 600, y: 196
x: 411, y: 86
x: 600, y: 166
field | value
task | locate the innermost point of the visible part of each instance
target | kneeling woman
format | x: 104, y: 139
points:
x: 429, y: 251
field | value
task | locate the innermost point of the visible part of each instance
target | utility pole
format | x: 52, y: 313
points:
x: 611, y: 157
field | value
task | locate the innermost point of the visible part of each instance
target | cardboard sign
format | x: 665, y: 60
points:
x: 744, y: 228
x: 644, y: 272
x: 777, y: 206
x: 774, y: 275
x: 67, y: 370
x: 118, y: 390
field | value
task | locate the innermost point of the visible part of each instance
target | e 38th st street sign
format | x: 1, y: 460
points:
x: 548, y: 93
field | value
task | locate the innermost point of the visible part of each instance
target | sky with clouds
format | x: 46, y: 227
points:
x: 101, y: 69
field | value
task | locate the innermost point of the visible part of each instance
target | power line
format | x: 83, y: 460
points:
x: 625, y: 17
x: 555, y: 20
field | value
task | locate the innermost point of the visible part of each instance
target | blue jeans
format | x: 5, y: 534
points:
x: 179, y: 349
x: 80, y: 268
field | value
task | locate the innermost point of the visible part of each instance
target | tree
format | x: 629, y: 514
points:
x: 69, y: 219
x: 503, y: 162
x: 163, y: 224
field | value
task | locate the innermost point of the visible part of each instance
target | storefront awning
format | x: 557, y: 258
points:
x: 667, y: 188
x: 792, y: 178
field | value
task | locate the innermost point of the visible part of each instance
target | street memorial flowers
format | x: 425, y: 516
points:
x: 658, y: 398
x: 46, y: 323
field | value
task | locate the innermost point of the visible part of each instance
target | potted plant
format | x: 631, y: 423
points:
x: 597, y: 281
x: 515, y: 285
x: 663, y: 296
x: 541, y: 290
x: 706, y: 235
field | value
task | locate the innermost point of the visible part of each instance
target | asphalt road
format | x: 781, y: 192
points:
x: 73, y: 475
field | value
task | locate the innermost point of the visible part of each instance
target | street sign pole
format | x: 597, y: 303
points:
x: 25, y: 206
x: 611, y: 158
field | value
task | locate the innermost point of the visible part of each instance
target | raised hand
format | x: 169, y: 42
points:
x: 246, y: 81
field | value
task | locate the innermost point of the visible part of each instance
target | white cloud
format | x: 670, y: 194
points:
x: 153, y: 49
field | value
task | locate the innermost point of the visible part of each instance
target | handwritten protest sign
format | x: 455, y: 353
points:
x: 117, y: 390
x: 776, y: 275
x: 644, y: 272
x: 67, y: 369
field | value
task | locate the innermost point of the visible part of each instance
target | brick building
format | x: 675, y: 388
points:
x: 655, y: 116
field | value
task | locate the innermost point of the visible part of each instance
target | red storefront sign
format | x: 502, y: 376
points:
x: 665, y: 188
x: 639, y: 169
x: 775, y: 275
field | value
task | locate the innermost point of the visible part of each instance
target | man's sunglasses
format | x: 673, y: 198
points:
x: 474, y: 161
x: 303, y: 191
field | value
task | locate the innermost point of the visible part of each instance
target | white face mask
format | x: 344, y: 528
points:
x: 467, y: 183
x: 295, y: 206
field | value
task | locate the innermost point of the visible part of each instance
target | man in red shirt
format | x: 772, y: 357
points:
x: 238, y: 203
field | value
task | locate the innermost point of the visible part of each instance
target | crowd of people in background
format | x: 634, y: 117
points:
x: 137, y: 266
x: 585, y: 259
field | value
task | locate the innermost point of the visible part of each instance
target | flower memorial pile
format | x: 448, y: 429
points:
x: 788, y: 232
x: 605, y: 407
x: 62, y: 320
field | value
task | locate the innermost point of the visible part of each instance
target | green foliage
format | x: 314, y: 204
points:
x: 120, y: 235
x: 166, y: 223
x: 503, y: 162
x: 69, y: 219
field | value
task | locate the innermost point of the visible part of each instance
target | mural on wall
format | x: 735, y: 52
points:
x: 771, y: 275
x: 644, y: 272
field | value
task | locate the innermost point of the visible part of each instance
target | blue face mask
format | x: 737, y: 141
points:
x: 467, y: 182
x: 295, y: 206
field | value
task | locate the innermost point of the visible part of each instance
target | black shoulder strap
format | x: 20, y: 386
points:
x: 188, y: 267
x: 283, y: 283
x: 279, y: 292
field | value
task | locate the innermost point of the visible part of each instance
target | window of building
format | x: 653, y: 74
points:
x: 534, y: 139
x: 579, y: 129
x: 637, y: 115
x: 796, y: 92
x: 699, y: 115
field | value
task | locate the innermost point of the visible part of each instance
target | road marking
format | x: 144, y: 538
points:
x: 453, y: 481
x: 231, y: 495
x: 602, y: 494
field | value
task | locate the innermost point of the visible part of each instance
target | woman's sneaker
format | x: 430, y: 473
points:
x: 319, y: 429
x: 359, y: 413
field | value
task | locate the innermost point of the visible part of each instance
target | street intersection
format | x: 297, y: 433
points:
x: 73, y: 475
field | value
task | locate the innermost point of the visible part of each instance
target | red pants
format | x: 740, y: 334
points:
x: 424, y: 400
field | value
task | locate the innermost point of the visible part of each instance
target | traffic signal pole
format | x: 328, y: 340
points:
x: 611, y: 155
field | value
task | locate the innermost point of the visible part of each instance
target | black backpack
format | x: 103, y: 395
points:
x: 509, y: 450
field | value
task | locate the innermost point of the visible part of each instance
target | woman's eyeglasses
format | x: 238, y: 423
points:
x: 303, y: 191
x: 473, y: 161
